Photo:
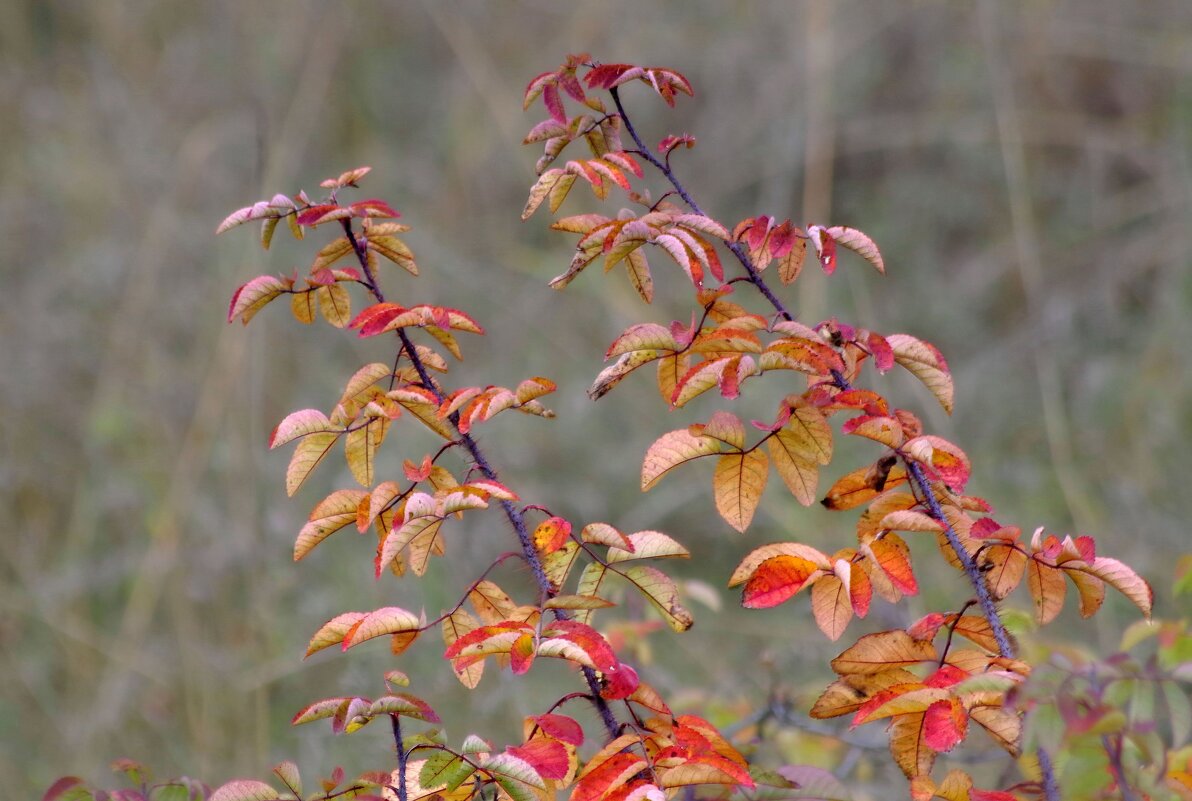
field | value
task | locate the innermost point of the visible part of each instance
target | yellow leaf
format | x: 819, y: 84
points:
x: 333, y: 513
x: 737, y: 484
x: 1123, y: 579
x: 859, y: 243
x: 800, y: 475
x: 831, y: 605
x: 335, y: 304
x: 909, y: 747
x: 925, y: 363
x: 1047, y: 588
x: 306, y: 458
x: 361, y: 447
x: 662, y: 592
x: 387, y: 620
x: 333, y: 631
x: 883, y: 650
x: 671, y: 450
x: 303, y: 306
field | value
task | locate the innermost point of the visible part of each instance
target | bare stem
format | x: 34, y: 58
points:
x: 1051, y: 788
x: 401, y: 757
x: 516, y: 519
x: 736, y: 248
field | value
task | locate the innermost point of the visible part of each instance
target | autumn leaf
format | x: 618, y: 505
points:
x: 778, y: 579
x: 883, y: 650
x: 1047, y: 586
x: 671, y: 450
x: 738, y: 483
x: 387, y: 620
x: 926, y: 363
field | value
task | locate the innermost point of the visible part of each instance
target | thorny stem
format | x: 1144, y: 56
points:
x: 988, y: 608
x: 401, y: 757
x: 970, y: 567
x: 516, y: 519
x: 1051, y: 789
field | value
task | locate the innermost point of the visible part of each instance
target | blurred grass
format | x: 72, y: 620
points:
x: 1025, y: 168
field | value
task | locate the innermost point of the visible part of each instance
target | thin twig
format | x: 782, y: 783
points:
x: 516, y: 519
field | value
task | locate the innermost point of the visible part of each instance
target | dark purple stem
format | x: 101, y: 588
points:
x: 516, y: 519
x: 401, y: 758
x: 737, y: 249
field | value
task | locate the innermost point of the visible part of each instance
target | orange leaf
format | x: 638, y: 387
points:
x: 864, y: 484
x: 1047, y: 588
x: 948, y: 461
x: 925, y: 363
x: 893, y: 555
x: 831, y: 605
x: 909, y: 747
x: 607, y: 776
x: 738, y: 483
x: 387, y: 620
x: 776, y: 580
x: 551, y: 534
x: 1003, y: 565
x: 1123, y: 579
x: 883, y: 650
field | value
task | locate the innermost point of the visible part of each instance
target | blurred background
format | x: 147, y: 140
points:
x: 1025, y: 168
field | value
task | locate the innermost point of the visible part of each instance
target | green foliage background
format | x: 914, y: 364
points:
x: 1025, y: 168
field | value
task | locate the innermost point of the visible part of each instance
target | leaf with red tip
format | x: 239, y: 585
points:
x: 406, y: 705
x: 387, y: 620
x: 67, y: 788
x: 551, y: 534
x: 560, y: 727
x: 253, y: 296
x: 776, y: 580
x: 546, y: 756
x: 942, y: 457
x: 1123, y: 579
x: 926, y: 363
x: 859, y: 243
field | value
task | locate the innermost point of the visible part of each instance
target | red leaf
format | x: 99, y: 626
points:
x: 314, y: 213
x: 620, y: 682
x: 561, y: 728
x: 521, y: 656
x: 776, y: 580
x: 945, y: 724
x: 548, y: 757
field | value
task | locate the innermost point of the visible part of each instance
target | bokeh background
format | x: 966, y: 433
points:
x: 1025, y: 167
